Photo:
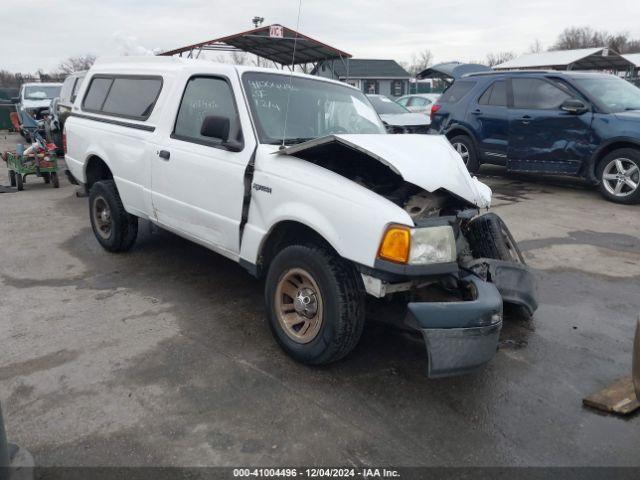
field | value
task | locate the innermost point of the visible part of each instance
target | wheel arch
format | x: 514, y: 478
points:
x: 96, y: 169
x: 285, y: 233
x: 604, y: 150
x: 457, y: 129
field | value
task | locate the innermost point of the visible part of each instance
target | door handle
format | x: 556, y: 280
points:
x: 526, y: 119
x: 477, y: 111
x: 164, y: 154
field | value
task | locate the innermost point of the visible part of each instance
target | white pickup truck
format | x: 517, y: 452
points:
x: 294, y: 177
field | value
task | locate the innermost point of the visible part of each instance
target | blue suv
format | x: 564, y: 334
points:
x: 548, y: 122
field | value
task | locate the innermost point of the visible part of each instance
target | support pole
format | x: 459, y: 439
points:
x: 4, y: 450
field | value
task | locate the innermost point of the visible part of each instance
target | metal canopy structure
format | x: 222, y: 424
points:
x: 599, y: 58
x: 273, y: 42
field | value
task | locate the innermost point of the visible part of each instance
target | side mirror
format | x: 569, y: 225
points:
x: 15, y: 100
x: 214, y: 126
x: 574, y: 106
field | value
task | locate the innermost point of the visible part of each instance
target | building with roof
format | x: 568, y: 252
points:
x: 599, y: 58
x: 279, y: 44
x: 384, y: 77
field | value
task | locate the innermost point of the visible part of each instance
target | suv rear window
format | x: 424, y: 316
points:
x: 456, y: 91
x: 129, y: 97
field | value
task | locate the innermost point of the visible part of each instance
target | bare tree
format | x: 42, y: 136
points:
x: 419, y: 61
x: 497, y: 58
x: 76, y: 64
x: 586, y: 37
x: 536, y: 46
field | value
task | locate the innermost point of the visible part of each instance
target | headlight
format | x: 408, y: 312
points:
x: 432, y: 245
x: 418, y: 246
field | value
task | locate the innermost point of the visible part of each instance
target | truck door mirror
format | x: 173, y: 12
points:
x: 15, y: 100
x: 214, y: 126
x: 574, y: 106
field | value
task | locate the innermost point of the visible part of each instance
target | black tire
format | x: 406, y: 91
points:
x: 489, y: 237
x: 123, y: 227
x: 12, y: 178
x: 342, y: 294
x: 19, y: 182
x: 467, y: 144
x: 55, y: 180
x: 607, y: 166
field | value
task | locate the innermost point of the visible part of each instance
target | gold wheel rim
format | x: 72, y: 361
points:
x: 102, y: 217
x: 299, y: 305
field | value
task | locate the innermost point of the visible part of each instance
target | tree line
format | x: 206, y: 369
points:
x: 70, y: 65
x: 570, y: 38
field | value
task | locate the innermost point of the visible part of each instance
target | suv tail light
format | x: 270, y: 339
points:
x: 64, y: 141
x: 434, y: 109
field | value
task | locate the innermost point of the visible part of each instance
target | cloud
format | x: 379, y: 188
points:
x: 453, y: 30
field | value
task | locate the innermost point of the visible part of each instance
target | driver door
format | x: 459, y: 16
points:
x: 542, y: 137
x: 197, y: 183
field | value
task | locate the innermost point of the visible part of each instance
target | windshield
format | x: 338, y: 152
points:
x: 37, y: 92
x: 316, y: 108
x: 384, y: 105
x: 615, y: 94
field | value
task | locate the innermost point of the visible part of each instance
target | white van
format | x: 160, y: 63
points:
x: 294, y: 177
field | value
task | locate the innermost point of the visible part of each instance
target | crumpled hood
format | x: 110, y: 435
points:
x: 405, y: 119
x: 33, y: 104
x: 428, y: 161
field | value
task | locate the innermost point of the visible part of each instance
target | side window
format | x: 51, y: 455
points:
x: 130, y: 97
x: 419, y: 102
x: 499, y: 94
x: 484, y: 98
x: 403, y: 101
x: 537, y: 94
x: 495, y: 95
x: 456, y: 92
x: 76, y: 87
x: 96, y: 94
x: 205, y: 96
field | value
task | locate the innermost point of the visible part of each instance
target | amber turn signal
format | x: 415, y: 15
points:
x: 396, y: 244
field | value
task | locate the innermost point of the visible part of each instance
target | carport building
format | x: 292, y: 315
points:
x: 599, y: 58
x: 385, y: 77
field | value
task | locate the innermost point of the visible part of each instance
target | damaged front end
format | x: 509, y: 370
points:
x: 455, y: 303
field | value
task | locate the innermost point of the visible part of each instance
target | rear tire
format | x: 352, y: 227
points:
x: 619, y: 176
x: 330, y: 305
x: 55, y: 180
x: 114, y: 228
x: 19, y: 182
x: 467, y: 149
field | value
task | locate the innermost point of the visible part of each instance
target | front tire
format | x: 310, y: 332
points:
x: 315, y: 304
x: 114, y: 228
x: 464, y: 145
x: 619, y: 176
x: 12, y: 178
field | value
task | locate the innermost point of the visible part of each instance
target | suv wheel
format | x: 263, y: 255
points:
x: 114, y: 228
x: 467, y: 150
x: 619, y: 175
x: 315, y: 304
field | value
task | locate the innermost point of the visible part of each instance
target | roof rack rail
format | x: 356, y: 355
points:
x: 510, y: 72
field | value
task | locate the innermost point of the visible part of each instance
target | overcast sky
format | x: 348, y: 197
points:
x: 452, y: 29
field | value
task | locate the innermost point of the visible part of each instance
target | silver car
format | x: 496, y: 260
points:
x: 419, y: 102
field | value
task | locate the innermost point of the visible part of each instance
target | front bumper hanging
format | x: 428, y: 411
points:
x: 461, y: 336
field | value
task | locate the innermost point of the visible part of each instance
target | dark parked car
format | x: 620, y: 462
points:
x: 562, y: 123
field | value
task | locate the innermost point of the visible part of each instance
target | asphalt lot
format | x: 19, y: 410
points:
x: 161, y: 356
